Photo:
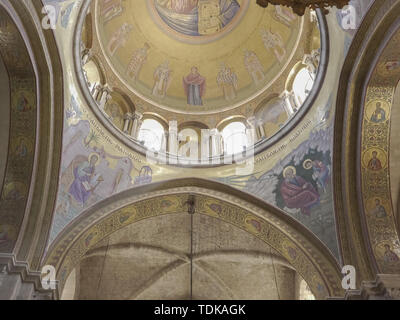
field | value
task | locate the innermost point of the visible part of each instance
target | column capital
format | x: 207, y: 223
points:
x: 214, y: 132
x: 173, y: 127
x: 253, y: 121
x: 107, y: 89
x: 286, y: 94
x: 137, y: 115
x: 128, y: 116
x: 87, y: 51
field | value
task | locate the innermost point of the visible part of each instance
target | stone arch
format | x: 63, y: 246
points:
x: 192, y: 124
x: 292, y: 75
x: 35, y: 140
x: 236, y: 118
x: 302, y: 249
x: 98, y: 70
x: 158, y: 118
x: 358, y: 244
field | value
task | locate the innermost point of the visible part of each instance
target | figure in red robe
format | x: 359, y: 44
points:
x: 194, y: 85
x: 297, y: 192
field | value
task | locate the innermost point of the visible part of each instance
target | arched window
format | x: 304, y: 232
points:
x: 92, y: 74
x: 235, y: 138
x: 302, y: 85
x: 151, y: 134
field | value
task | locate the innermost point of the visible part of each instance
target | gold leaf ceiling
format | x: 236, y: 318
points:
x: 236, y: 57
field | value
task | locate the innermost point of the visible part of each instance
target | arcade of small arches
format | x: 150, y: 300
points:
x: 232, y: 135
x: 279, y: 92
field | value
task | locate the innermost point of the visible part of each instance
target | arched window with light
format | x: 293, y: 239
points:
x: 151, y: 134
x: 235, y: 138
x: 302, y: 85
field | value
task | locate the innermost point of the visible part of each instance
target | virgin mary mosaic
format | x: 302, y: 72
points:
x: 197, y: 17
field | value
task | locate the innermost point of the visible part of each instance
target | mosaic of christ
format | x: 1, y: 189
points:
x: 197, y: 17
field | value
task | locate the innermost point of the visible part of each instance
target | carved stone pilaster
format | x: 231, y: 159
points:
x: 137, y: 122
x: 258, y: 126
x: 19, y: 283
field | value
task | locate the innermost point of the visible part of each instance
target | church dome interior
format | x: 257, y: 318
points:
x: 179, y: 150
x: 244, y: 75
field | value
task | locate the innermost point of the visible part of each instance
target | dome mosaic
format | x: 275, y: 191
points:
x: 200, y: 63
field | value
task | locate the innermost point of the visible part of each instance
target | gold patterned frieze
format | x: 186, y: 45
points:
x: 315, y: 265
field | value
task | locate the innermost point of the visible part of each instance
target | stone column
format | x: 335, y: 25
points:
x: 205, y: 144
x: 104, y: 97
x: 86, y: 55
x: 164, y: 142
x: 309, y: 62
x: 137, y: 122
x: 316, y: 57
x: 216, y: 143
x: 173, y: 138
x: 96, y: 90
x: 258, y: 126
x: 251, y: 134
x: 128, y: 119
x: 261, y: 130
x: 289, y: 102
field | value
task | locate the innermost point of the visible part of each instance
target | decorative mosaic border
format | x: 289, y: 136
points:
x: 22, y: 132
x: 302, y: 250
x: 374, y: 161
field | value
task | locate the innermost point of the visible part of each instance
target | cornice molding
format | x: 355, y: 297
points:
x: 27, y: 276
